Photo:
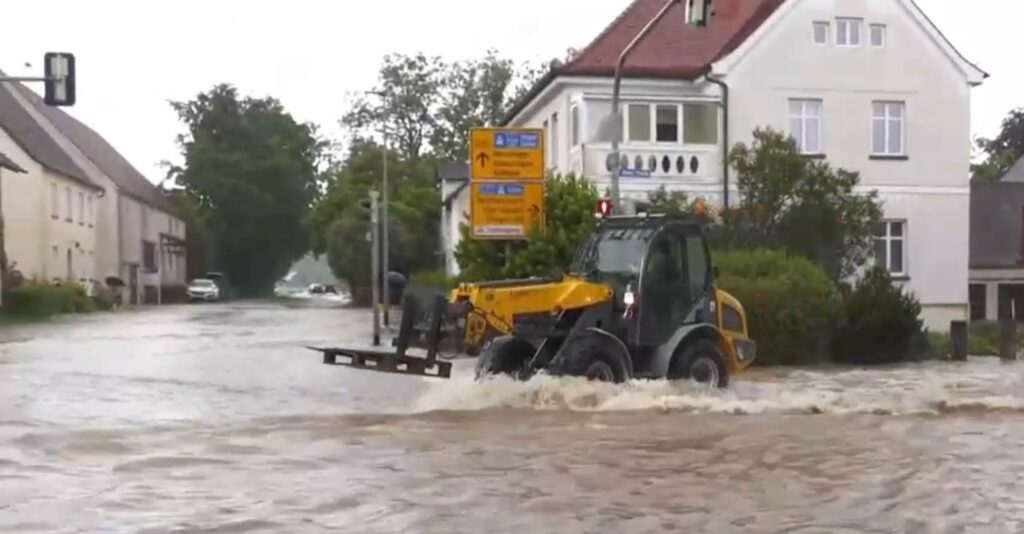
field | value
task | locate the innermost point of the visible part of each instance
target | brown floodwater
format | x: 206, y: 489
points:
x: 214, y: 419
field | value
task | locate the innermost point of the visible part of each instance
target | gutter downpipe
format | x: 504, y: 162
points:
x: 725, y: 134
x: 616, y: 112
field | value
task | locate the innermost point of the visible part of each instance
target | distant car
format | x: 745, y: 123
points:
x: 203, y: 289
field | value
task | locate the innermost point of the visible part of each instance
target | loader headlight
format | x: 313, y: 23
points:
x: 629, y: 298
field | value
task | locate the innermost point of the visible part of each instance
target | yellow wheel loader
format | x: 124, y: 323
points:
x: 639, y: 301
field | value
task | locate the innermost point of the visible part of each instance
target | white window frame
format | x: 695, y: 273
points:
x: 888, y: 239
x: 554, y: 141
x: 814, y: 32
x: 575, y: 125
x: 887, y: 117
x: 81, y: 208
x: 69, y: 204
x: 89, y: 211
x: 54, y: 201
x: 804, y: 117
x: 680, y: 124
x: 844, y: 26
x: 871, y: 35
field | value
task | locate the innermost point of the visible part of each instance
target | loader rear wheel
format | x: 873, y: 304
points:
x: 504, y: 356
x: 596, y: 357
x: 702, y: 362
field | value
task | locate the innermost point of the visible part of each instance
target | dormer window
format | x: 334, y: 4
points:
x: 878, y: 35
x: 698, y: 12
x: 848, y: 32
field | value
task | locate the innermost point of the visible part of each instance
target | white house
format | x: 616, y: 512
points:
x: 872, y: 85
x: 49, y: 217
x: 135, y: 235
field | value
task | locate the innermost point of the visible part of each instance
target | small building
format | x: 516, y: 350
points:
x: 84, y: 212
x: 871, y: 86
x: 997, y: 248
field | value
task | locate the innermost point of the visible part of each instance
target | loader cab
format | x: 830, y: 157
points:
x: 660, y: 270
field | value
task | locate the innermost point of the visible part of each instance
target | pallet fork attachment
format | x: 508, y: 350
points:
x: 399, y: 362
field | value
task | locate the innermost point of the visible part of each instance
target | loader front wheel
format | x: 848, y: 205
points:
x: 703, y: 363
x: 596, y: 357
x: 504, y: 356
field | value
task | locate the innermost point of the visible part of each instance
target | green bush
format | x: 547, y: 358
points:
x: 436, y: 278
x: 40, y: 301
x: 881, y: 323
x: 790, y: 303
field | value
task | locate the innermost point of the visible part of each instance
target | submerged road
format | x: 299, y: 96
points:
x: 213, y: 418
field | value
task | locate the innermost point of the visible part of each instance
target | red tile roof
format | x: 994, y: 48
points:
x: 672, y: 49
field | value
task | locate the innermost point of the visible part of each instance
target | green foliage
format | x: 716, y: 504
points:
x: 881, y: 322
x: 41, y: 301
x: 569, y: 219
x: 253, y: 172
x: 340, y: 224
x: 790, y: 303
x: 428, y: 105
x: 1002, y: 151
x: 435, y: 278
x: 800, y: 205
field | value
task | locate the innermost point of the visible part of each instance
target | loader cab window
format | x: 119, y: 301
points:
x: 613, y: 257
x: 675, y: 276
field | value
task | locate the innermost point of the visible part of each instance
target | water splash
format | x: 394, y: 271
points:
x: 903, y: 391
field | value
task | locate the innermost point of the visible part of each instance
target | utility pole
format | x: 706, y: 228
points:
x: 387, y: 250
x: 615, y: 158
x: 375, y: 265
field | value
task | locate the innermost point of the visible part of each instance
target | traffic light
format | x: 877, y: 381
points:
x: 59, y: 69
x: 604, y: 207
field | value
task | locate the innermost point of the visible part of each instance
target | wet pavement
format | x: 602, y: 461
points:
x: 214, y: 418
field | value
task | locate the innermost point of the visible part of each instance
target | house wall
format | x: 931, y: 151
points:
x: 37, y: 240
x: 929, y: 188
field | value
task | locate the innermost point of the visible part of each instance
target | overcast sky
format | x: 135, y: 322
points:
x: 133, y: 56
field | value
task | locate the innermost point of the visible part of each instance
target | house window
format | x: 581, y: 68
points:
x: 821, y: 33
x: 89, y: 213
x: 149, y: 255
x: 667, y: 126
x: 878, y: 35
x: 81, y: 209
x: 890, y: 247
x: 68, y: 206
x: 848, y: 31
x: 978, y: 301
x: 54, y: 201
x: 887, y: 129
x: 639, y: 122
x: 700, y: 124
x: 554, y: 140
x: 805, y: 125
x: 574, y: 119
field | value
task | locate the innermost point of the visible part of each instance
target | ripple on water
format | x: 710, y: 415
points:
x: 166, y: 462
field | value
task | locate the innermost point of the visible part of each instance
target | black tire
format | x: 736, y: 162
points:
x: 596, y: 356
x: 693, y: 362
x: 504, y: 356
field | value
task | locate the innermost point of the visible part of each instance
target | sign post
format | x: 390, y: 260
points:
x: 506, y: 182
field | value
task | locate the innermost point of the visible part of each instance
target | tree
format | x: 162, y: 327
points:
x: 569, y: 219
x: 806, y: 207
x: 253, y: 173
x: 340, y: 223
x: 1003, y: 151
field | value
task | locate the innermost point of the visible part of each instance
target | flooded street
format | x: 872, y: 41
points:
x: 214, y: 418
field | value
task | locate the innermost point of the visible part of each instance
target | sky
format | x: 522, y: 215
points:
x: 133, y: 57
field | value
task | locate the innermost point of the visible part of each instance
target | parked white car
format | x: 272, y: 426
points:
x: 203, y: 289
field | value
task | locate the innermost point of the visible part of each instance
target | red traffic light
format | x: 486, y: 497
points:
x: 604, y: 207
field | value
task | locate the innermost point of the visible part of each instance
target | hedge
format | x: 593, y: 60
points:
x: 40, y: 301
x: 881, y: 323
x: 791, y: 304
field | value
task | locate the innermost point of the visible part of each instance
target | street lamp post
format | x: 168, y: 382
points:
x: 616, y: 159
x: 385, y: 256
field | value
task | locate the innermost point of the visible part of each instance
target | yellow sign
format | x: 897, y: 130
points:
x: 513, y: 154
x: 502, y: 210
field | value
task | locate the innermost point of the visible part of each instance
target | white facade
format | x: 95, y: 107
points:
x: 871, y: 86
x: 49, y: 222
